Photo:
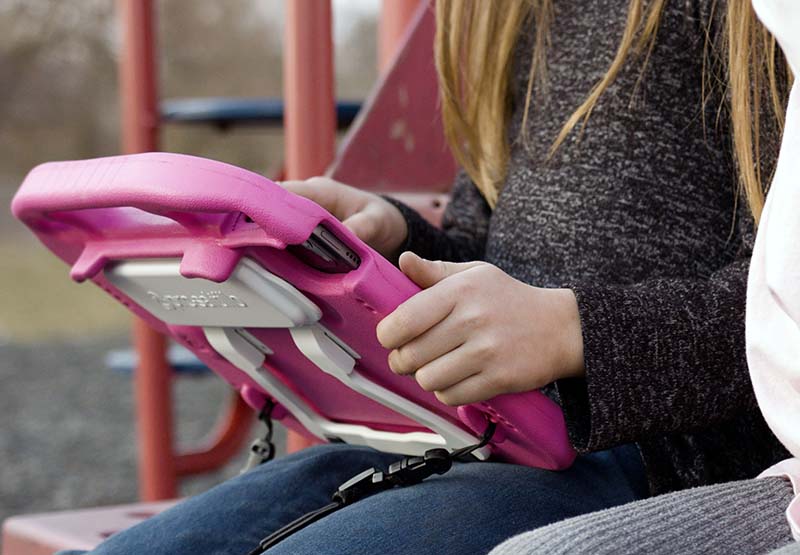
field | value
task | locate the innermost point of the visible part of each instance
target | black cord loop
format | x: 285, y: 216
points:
x: 405, y: 472
x: 262, y: 449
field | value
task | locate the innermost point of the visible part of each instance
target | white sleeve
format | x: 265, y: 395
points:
x: 773, y: 291
x: 782, y: 18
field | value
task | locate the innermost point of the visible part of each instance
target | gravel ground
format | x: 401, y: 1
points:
x: 66, y: 428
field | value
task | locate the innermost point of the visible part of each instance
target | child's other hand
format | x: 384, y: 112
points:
x: 373, y: 219
x: 475, y: 332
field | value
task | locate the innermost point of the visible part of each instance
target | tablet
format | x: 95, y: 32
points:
x: 270, y: 291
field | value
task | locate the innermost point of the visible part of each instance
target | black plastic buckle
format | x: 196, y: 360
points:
x: 413, y: 470
x: 361, y: 485
x: 405, y: 472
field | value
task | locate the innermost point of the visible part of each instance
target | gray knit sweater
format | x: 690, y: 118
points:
x: 640, y: 219
x: 745, y: 517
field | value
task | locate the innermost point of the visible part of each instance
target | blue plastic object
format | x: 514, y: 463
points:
x: 226, y: 112
x: 181, y: 359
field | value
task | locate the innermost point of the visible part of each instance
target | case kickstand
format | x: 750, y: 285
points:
x: 262, y: 449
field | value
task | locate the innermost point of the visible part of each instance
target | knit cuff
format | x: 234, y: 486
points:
x: 589, y: 401
x: 661, y: 356
x: 421, y: 236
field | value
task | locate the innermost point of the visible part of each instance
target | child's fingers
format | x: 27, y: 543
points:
x: 473, y: 389
x: 427, y: 273
x: 447, y: 371
x: 319, y: 190
x: 414, y: 317
x: 364, y: 225
x: 442, y: 338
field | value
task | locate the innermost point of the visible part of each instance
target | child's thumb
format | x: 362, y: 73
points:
x: 427, y: 273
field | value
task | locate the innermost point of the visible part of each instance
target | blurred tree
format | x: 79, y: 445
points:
x: 58, y: 78
x: 229, y: 48
x: 57, y: 81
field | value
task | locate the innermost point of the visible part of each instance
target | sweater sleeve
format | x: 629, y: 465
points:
x: 661, y: 356
x: 667, y: 355
x: 465, y: 225
x: 773, y: 302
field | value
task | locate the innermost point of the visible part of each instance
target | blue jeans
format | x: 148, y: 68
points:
x: 470, y: 509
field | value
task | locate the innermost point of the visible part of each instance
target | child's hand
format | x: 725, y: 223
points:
x: 373, y: 219
x: 475, y: 332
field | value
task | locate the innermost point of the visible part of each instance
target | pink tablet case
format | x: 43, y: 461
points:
x: 195, y: 247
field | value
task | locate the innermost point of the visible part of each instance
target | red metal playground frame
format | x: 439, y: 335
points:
x: 309, y: 126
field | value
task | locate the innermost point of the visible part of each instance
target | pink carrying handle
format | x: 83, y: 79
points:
x: 164, y: 185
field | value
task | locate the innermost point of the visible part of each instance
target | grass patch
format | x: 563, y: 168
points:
x: 40, y: 302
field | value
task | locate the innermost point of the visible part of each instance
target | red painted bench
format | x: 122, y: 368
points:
x: 43, y: 534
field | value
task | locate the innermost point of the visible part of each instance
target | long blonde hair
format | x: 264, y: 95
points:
x: 474, y: 54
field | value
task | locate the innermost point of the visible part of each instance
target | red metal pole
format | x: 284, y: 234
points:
x: 226, y: 442
x: 395, y: 17
x: 152, y: 378
x: 138, y: 77
x: 310, y: 125
x: 309, y: 112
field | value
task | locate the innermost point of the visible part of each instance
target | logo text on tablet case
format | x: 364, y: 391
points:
x: 202, y: 299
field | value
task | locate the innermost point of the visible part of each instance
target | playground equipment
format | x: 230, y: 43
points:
x: 309, y: 124
x: 403, y: 107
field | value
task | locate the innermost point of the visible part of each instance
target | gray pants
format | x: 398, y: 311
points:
x: 738, y: 517
x: 791, y: 549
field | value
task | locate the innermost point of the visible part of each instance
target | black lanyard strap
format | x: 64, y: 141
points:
x: 294, y: 526
x: 405, y: 472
